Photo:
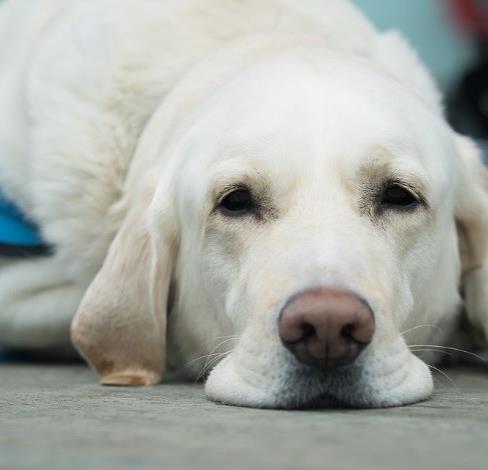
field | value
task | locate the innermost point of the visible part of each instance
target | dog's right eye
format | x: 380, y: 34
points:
x: 237, y: 202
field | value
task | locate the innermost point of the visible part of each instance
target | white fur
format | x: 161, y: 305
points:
x: 120, y: 117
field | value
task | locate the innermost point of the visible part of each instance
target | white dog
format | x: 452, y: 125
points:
x: 267, y: 187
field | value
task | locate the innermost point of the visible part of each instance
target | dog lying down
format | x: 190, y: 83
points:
x: 265, y: 191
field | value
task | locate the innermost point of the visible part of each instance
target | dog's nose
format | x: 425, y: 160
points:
x: 326, y: 327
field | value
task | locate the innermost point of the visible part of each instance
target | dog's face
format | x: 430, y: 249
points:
x: 312, y: 209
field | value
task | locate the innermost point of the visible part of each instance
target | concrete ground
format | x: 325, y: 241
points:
x: 57, y: 417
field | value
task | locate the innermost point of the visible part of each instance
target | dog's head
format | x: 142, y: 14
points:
x: 304, y: 214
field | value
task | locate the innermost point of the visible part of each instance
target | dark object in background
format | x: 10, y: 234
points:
x: 467, y: 104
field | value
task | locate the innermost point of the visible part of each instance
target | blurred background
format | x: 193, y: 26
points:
x: 451, y: 37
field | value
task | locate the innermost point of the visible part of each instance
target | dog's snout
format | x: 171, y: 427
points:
x: 326, y: 327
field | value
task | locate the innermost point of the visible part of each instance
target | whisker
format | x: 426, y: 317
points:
x: 209, y: 364
x: 211, y: 353
x: 446, y: 376
x: 450, y: 349
x: 204, y: 369
x: 229, y: 338
x: 226, y: 336
x: 432, y: 350
x: 201, y: 357
x: 422, y: 326
x: 211, y: 358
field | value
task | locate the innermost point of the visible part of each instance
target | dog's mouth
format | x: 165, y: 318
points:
x: 321, y: 401
x: 394, y: 379
x: 337, y: 388
x: 325, y: 401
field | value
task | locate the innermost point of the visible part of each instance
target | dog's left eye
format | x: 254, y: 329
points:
x: 398, y: 196
x: 237, y: 202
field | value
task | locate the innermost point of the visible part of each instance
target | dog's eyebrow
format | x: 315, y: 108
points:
x: 229, y: 177
x: 412, y: 182
x: 382, y: 169
x: 222, y: 190
x: 242, y: 175
x: 235, y: 173
x: 225, y: 184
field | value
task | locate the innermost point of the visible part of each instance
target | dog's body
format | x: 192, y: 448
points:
x: 97, y: 97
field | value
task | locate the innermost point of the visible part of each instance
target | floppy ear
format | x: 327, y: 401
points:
x: 472, y: 224
x: 120, y: 326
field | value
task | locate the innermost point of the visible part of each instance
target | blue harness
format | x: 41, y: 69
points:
x: 18, y: 236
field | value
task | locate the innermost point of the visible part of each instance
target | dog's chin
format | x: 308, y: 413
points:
x: 395, y: 381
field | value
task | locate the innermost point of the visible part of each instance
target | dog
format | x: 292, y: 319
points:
x: 264, y: 193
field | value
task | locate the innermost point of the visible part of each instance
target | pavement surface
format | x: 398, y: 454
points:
x: 57, y: 417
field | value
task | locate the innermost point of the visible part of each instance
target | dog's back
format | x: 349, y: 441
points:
x: 79, y: 83
x: 22, y: 26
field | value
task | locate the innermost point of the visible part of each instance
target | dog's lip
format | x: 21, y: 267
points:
x: 322, y: 400
x: 329, y: 389
x: 327, y: 400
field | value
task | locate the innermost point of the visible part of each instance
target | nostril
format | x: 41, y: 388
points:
x: 296, y: 332
x: 347, y: 333
x: 308, y: 330
x: 356, y: 333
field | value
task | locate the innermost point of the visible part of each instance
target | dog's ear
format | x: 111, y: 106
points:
x: 120, y: 326
x: 472, y: 225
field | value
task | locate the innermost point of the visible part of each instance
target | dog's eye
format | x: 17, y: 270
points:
x: 238, y: 202
x: 398, y: 196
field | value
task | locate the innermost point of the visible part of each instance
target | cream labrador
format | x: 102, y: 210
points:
x: 265, y: 191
